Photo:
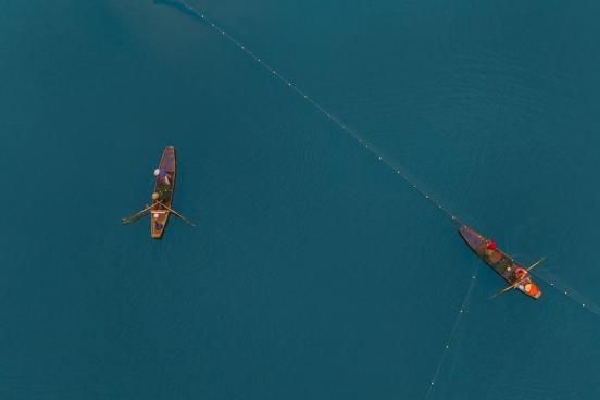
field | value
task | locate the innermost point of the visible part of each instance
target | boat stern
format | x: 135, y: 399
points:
x: 531, y: 289
x: 158, y: 222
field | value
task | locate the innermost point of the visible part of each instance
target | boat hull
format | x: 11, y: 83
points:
x: 499, y: 261
x: 164, y: 188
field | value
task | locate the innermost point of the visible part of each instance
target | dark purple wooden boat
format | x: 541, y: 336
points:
x: 162, y: 196
x: 500, y: 262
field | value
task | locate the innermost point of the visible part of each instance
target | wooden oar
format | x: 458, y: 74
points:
x: 505, y: 290
x: 179, y: 215
x: 135, y: 217
x: 535, y: 264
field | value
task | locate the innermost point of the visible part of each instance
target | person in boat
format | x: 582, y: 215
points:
x: 520, y: 273
x: 490, y: 247
x: 156, y: 201
x: 162, y: 175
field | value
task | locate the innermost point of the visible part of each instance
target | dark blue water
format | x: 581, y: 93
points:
x: 314, y: 271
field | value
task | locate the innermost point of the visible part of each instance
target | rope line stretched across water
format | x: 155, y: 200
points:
x: 568, y: 292
x: 330, y: 116
x: 450, y: 340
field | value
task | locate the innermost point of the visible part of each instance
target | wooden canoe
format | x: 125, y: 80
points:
x: 500, y: 262
x: 162, y: 196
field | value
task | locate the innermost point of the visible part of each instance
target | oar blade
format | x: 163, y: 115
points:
x: 135, y: 217
x: 131, y: 219
x: 503, y: 291
x: 535, y: 264
x: 183, y: 218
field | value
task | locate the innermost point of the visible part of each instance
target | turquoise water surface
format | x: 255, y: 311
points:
x: 315, y: 271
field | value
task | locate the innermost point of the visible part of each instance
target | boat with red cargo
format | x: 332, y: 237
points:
x: 162, y: 196
x: 517, y: 277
